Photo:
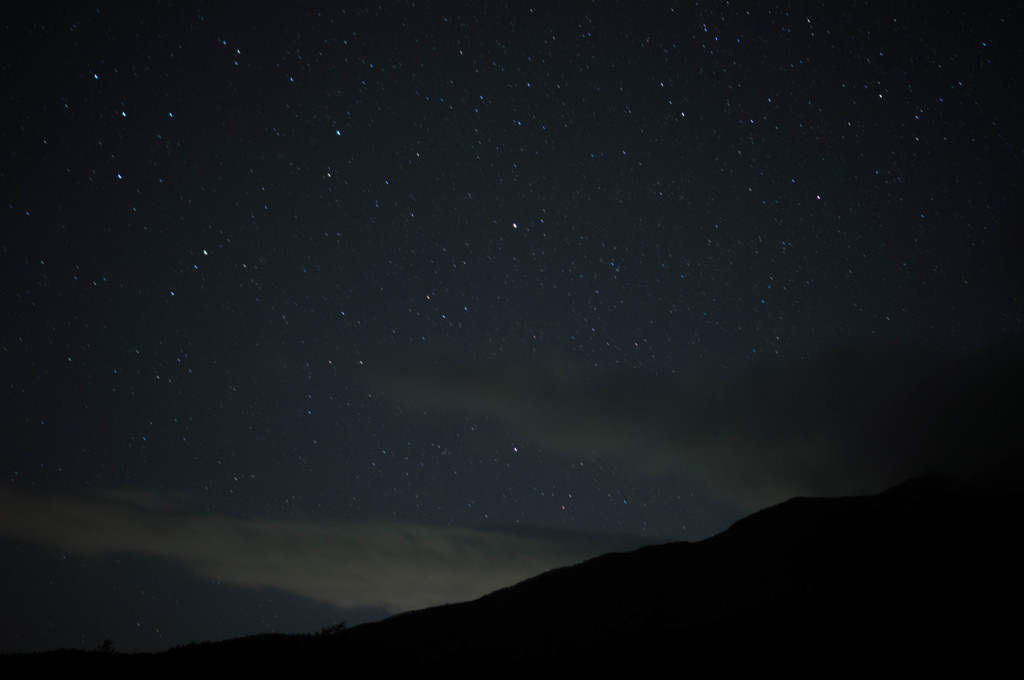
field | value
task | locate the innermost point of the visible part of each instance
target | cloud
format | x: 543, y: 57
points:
x: 389, y: 564
x: 852, y: 422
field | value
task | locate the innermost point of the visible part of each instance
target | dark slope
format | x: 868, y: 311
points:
x: 923, y: 575
x: 915, y: 572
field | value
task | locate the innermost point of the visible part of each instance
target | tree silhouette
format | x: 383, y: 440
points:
x: 334, y: 629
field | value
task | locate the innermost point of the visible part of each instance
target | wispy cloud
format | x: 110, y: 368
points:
x: 389, y: 564
x: 853, y: 422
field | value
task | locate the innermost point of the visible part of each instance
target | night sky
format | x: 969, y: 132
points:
x: 320, y: 313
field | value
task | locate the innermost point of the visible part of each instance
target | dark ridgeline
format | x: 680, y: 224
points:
x: 923, y: 575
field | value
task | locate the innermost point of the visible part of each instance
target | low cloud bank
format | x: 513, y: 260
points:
x: 389, y: 564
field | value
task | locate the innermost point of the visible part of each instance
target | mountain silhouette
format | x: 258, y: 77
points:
x: 925, y: 575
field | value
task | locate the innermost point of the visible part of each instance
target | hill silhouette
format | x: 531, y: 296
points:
x: 923, y: 575
x: 921, y: 572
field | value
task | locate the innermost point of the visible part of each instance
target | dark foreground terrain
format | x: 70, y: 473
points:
x: 924, y: 575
